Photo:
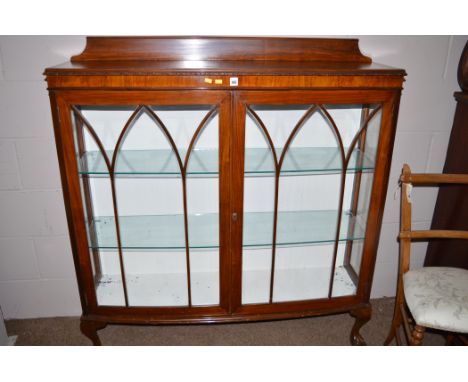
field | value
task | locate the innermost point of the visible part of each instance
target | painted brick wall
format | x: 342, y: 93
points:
x: 425, y: 121
x: 36, y: 269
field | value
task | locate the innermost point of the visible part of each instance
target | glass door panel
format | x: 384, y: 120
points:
x: 303, y: 210
x: 145, y: 173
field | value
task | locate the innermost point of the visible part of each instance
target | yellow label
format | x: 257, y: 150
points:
x: 208, y: 80
x: 219, y: 82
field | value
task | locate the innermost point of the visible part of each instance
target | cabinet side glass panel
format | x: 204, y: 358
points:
x: 144, y: 217
x: 371, y: 140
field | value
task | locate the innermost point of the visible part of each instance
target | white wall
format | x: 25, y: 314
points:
x: 36, y: 269
x: 424, y: 124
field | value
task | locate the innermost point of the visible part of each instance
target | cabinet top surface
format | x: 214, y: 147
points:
x: 221, y: 55
x: 190, y: 67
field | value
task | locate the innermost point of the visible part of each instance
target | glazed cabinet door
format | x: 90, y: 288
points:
x: 146, y: 184
x: 309, y: 196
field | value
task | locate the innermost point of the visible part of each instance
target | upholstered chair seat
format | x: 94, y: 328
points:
x: 438, y: 297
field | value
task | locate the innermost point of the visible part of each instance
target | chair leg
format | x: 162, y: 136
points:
x: 456, y: 339
x: 463, y: 338
x: 396, y: 323
x: 449, y: 339
x: 417, y: 335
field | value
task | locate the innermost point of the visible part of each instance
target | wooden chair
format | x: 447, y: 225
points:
x: 435, y: 297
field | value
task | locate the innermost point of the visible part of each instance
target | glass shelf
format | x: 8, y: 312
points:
x: 204, y: 162
x: 166, y: 232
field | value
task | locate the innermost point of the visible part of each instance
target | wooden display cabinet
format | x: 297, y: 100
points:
x: 223, y: 179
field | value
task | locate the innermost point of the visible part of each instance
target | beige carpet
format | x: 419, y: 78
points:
x: 327, y: 330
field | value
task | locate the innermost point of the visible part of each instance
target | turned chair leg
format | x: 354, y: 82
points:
x: 90, y: 329
x: 417, y: 335
x: 362, y: 315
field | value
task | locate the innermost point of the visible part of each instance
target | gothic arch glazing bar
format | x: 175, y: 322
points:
x: 344, y: 166
x: 308, y: 113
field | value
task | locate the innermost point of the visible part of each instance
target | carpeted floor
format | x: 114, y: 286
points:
x: 327, y: 330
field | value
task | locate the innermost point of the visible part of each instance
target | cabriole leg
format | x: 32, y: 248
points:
x: 90, y: 329
x: 362, y: 315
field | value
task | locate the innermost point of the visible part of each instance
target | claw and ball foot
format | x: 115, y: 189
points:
x: 90, y: 329
x: 362, y: 316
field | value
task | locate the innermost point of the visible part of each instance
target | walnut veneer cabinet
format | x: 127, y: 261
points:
x: 223, y: 179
